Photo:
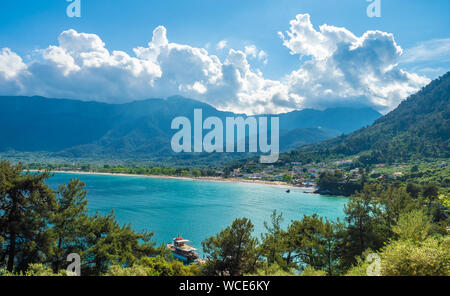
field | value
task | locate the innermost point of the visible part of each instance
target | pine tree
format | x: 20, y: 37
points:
x: 232, y: 251
x: 26, y: 207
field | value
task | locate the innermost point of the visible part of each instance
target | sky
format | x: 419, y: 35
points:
x: 244, y: 56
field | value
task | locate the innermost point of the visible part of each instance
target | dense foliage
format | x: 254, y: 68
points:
x: 408, y: 229
x: 41, y: 226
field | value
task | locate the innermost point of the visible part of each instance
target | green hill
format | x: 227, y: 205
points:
x: 418, y: 129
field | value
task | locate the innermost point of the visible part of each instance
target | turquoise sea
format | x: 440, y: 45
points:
x: 196, y: 209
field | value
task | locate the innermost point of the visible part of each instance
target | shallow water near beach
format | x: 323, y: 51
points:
x: 196, y: 209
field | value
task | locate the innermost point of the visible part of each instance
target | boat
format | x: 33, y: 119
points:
x: 181, y: 250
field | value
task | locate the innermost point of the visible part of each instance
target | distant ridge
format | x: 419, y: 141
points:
x: 141, y: 129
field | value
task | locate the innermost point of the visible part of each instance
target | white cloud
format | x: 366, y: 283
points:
x: 253, y: 52
x: 10, y: 64
x: 11, y: 67
x: 345, y: 69
x: 436, y: 49
x: 262, y: 56
x: 81, y: 67
x: 341, y: 69
x: 222, y: 44
x: 303, y: 39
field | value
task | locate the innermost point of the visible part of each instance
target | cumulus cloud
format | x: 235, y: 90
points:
x: 341, y: 69
x: 303, y: 39
x: 10, y: 64
x: 345, y: 69
x: 253, y: 52
x: 81, y: 67
x: 11, y: 68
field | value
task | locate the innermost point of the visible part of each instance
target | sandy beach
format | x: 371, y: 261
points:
x: 209, y: 179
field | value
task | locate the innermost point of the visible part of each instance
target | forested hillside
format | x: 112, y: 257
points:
x: 419, y: 128
x: 139, y: 130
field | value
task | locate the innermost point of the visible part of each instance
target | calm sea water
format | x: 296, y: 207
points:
x: 196, y: 209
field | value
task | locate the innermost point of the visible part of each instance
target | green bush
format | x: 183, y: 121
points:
x: 408, y: 258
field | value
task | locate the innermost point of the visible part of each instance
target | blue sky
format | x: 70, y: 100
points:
x: 126, y: 24
x: 419, y: 27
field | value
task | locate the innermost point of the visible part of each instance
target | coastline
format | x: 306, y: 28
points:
x: 309, y: 190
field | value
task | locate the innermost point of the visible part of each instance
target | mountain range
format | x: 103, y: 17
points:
x: 142, y: 129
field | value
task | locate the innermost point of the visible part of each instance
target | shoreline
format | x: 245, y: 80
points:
x: 309, y: 190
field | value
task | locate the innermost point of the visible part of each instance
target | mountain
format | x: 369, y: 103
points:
x: 302, y: 136
x: 141, y: 129
x: 344, y: 120
x: 419, y: 128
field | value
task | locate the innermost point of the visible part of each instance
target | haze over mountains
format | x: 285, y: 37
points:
x: 77, y: 129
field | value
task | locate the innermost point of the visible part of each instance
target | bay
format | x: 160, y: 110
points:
x: 196, y: 209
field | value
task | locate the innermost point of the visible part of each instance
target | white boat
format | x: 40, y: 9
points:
x: 182, y: 250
